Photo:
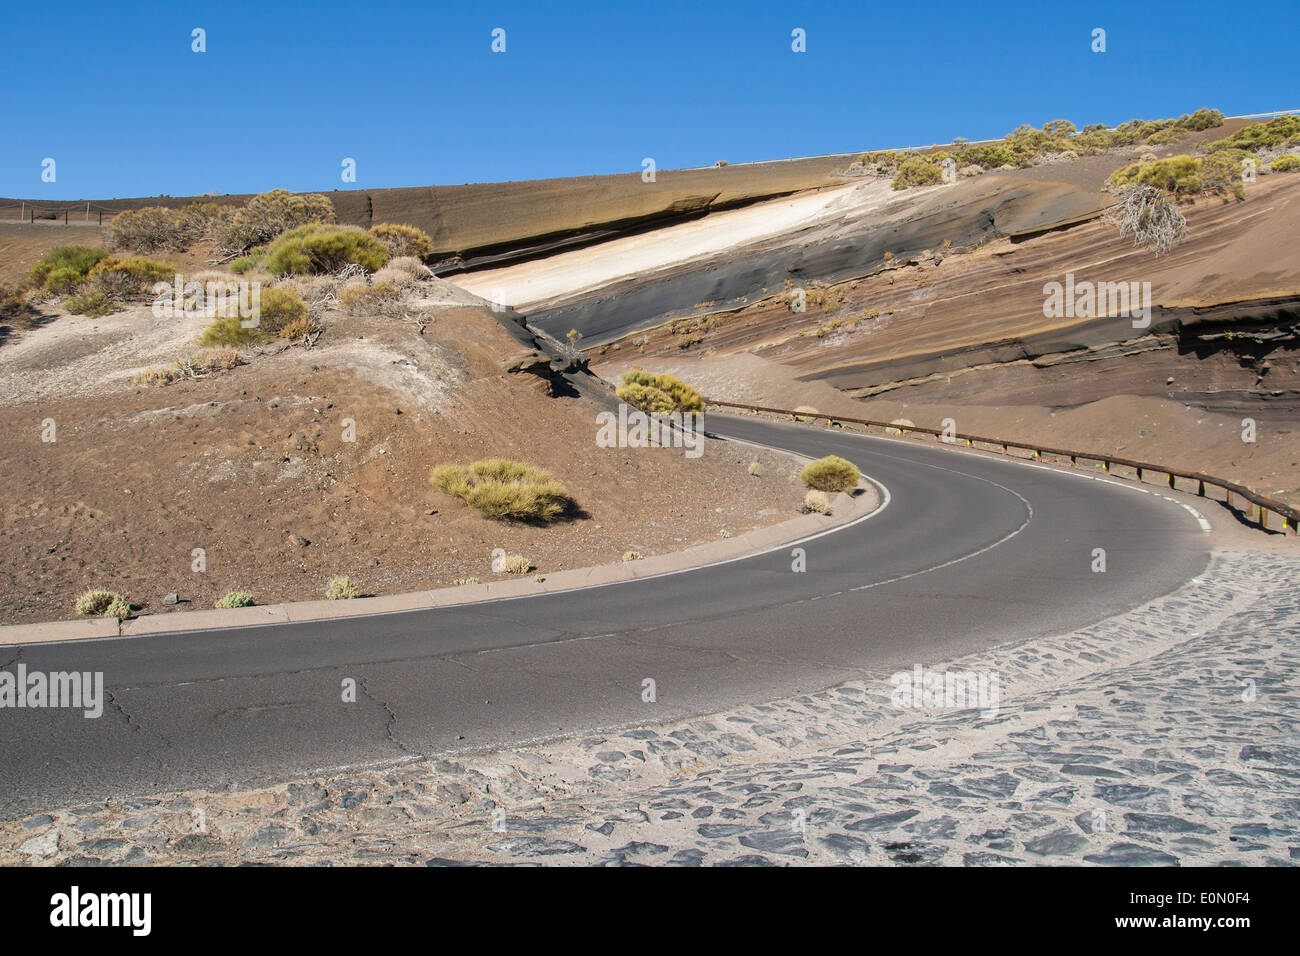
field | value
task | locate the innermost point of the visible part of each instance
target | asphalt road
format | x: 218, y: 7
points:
x: 970, y: 552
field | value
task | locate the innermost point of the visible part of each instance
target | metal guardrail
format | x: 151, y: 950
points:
x: 1263, y: 504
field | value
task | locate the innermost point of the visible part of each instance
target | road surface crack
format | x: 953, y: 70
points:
x: 392, y: 718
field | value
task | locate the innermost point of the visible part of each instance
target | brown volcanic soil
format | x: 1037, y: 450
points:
x: 959, y: 304
x: 1159, y: 430
x: 240, y: 462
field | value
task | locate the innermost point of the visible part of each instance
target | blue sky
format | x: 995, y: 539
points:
x: 413, y: 92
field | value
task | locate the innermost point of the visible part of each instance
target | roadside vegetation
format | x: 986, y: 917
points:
x: 831, y: 474
x: 504, y: 490
x: 103, y: 603
x: 234, y: 599
x: 658, y: 393
x: 816, y: 502
x: 342, y: 589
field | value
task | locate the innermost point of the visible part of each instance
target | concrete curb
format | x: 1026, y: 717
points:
x: 846, y: 509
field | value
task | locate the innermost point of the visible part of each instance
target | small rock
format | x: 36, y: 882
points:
x: 171, y: 598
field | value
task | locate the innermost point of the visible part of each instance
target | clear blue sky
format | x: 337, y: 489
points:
x: 414, y: 94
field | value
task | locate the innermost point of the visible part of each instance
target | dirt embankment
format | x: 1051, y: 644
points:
x: 255, y: 467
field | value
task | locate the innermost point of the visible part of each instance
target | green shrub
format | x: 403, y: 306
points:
x: 228, y: 331
x: 504, y: 490
x: 317, y: 248
x: 917, y: 171
x: 63, y: 280
x: 1276, y: 132
x: 1201, y: 119
x: 1285, y: 164
x: 658, y: 393
x: 342, y: 589
x: 132, y: 275
x: 281, y: 307
x: 1178, y: 175
x: 986, y: 155
x: 92, y: 302
x: 831, y: 473
x: 235, y: 599
x: 78, y: 259
x: 269, y: 215
x: 1170, y: 135
x: 403, y: 240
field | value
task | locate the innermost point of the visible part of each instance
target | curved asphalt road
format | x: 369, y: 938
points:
x: 971, y: 552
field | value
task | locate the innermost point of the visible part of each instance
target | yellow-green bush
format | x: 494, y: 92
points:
x: 129, y: 275
x: 504, y: 490
x: 403, y: 240
x: 229, y: 331
x: 316, y: 248
x: 235, y: 599
x: 96, y: 601
x: 831, y: 473
x: 1179, y: 175
x: 269, y: 215
x: 917, y: 171
x: 1285, y: 164
x: 658, y: 393
x: 280, y: 307
x: 817, y: 502
x: 342, y: 589
x: 92, y: 302
x: 66, y: 260
x: 1276, y: 132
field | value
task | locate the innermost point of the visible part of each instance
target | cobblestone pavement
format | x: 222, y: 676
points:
x: 1163, y: 736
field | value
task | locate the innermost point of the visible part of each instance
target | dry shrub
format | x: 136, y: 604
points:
x: 299, y: 328
x: 200, y: 363
x: 1150, y: 217
x: 358, y: 298
x: 342, y: 589
x: 281, y: 306
x: 661, y: 393
x: 151, y: 229
x: 123, y: 277
x: 513, y: 564
x: 503, y: 489
x: 831, y: 473
x: 816, y: 502
x: 269, y: 215
x: 403, y: 240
